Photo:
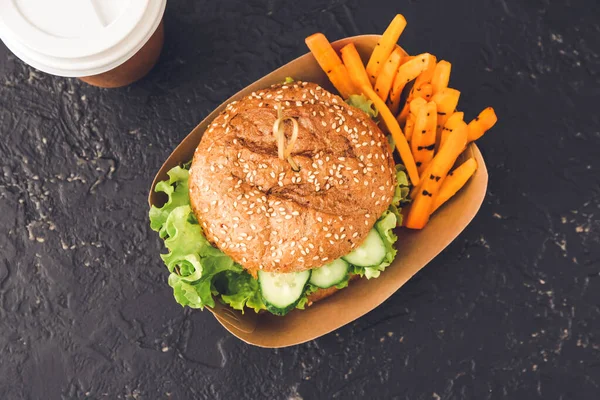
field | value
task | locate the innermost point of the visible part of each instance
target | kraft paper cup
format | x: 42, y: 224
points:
x: 104, y: 43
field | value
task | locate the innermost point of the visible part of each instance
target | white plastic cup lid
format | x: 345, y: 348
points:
x: 77, y: 38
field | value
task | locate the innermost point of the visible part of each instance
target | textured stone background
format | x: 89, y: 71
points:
x: 510, y: 310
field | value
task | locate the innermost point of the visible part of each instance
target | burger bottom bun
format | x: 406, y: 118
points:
x: 321, y: 294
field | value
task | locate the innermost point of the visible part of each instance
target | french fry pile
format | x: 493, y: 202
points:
x: 428, y: 131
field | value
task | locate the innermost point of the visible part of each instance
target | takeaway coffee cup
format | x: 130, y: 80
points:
x: 106, y: 43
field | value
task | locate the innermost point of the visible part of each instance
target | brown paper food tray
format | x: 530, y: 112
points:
x: 415, y: 248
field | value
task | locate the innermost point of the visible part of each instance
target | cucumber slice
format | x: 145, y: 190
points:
x: 370, y: 253
x: 281, y: 292
x: 329, y: 274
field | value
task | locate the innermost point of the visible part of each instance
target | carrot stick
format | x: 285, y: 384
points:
x: 406, y: 73
x: 413, y: 110
x: 446, y: 100
x: 422, y: 205
x: 425, y: 130
x: 450, y: 124
x: 423, y: 92
x: 427, y: 75
x: 340, y: 78
x: 409, y: 127
x: 385, y: 46
x: 441, y: 76
x: 483, y: 122
x: 396, y: 132
x: 403, y: 115
x: 454, y: 182
x: 421, y: 88
x: 354, y: 65
x: 406, y: 59
x: 331, y: 63
x: 416, y: 105
x: 416, y: 139
x: 387, y: 74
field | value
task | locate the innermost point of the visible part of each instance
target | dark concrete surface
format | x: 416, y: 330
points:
x: 511, y: 310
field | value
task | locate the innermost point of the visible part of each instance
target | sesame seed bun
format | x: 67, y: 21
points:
x: 263, y: 214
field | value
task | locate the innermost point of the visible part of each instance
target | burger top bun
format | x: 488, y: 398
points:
x: 257, y: 209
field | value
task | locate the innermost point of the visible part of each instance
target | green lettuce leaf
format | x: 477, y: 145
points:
x: 176, y: 188
x: 240, y: 290
x: 385, y: 225
x: 199, y: 271
x: 360, y: 101
x: 194, y: 264
x: 303, y: 302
